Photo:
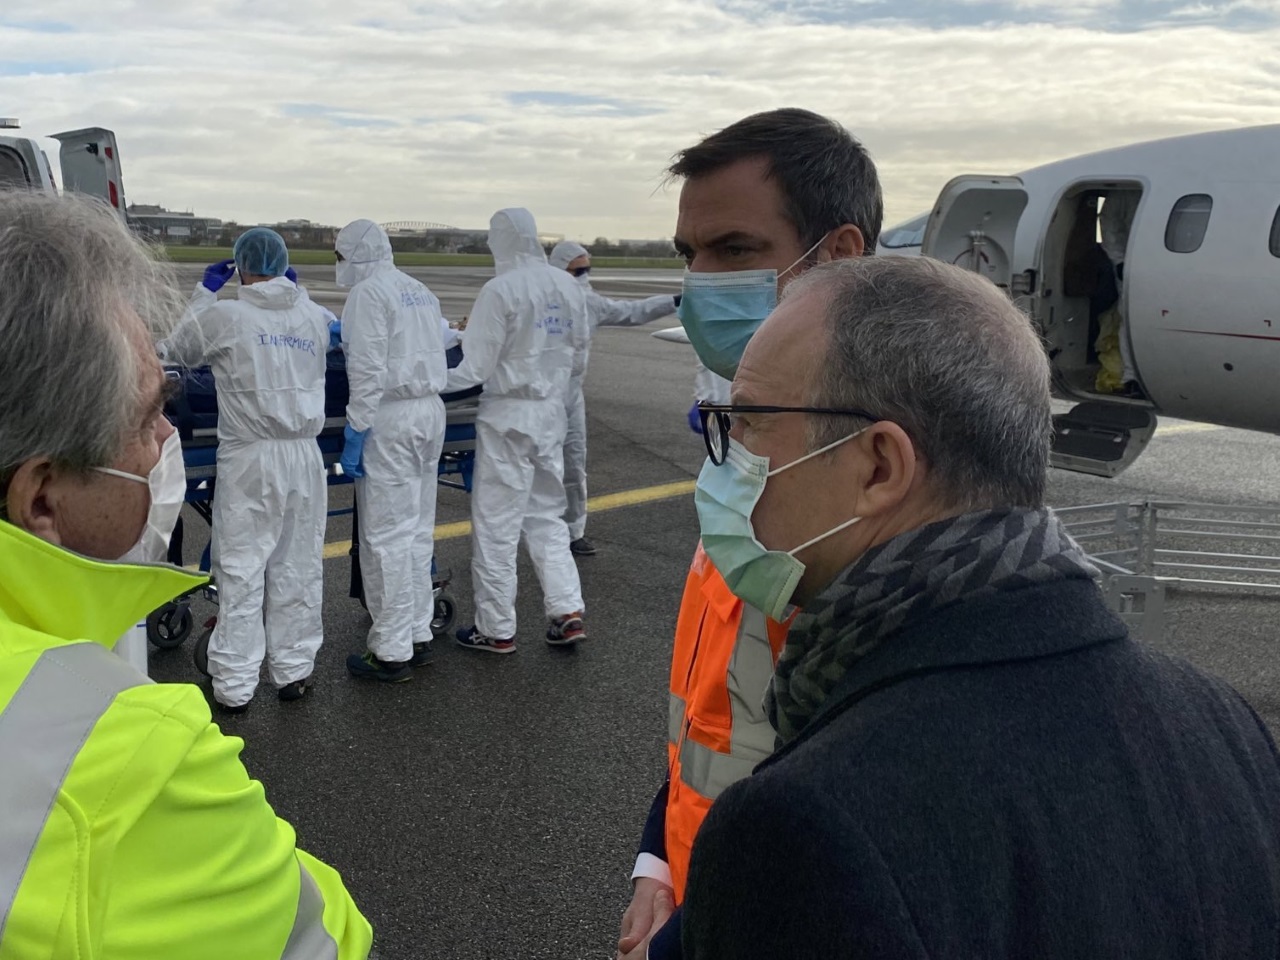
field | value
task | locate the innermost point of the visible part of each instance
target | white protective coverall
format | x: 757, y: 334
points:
x: 601, y: 312
x: 710, y: 386
x: 393, y: 337
x: 267, y: 353
x: 528, y: 324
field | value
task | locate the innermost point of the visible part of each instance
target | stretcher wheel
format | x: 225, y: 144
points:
x: 443, y: 615
x: 169, y: 626
x: 201, y: 652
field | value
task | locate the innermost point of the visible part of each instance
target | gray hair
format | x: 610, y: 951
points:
x: 946, y: 355
x: 77, y: 290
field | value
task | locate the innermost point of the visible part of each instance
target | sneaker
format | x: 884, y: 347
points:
x: 421, y: 654
x: 582, y: 547
x: 566, y: 630
x: 293, y: 691
x: 473, y: 639
x: 223, y: 708
x: 366, y: 666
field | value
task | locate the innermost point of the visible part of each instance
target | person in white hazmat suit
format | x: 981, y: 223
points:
x: 526, y: 328
x: 393, y: 338
x: 267, y: 353
x: 601, y: 312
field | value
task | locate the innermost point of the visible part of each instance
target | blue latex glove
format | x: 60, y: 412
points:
x: 217, y: 275
x: 353, y: 452
x: 291, y: 275
x: 695, y: 420
x: 335, y: 334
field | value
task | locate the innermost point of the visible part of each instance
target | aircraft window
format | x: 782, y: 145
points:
x: 909, y: 234
x: 1187, y: 223
x: 1275, y: 235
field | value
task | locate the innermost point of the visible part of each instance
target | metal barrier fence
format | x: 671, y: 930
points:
x: 1145, y: 547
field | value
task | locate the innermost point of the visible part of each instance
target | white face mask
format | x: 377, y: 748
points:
x: 345, y: 273
x: 167, y: 483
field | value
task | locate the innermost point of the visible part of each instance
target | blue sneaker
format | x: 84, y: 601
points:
x: 366, y: 666
x: 473, y: 639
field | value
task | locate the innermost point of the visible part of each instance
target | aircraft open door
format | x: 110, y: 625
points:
x: 90, y: 163
x: 973, y: 226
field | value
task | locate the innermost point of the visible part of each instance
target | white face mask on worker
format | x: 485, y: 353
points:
x: 167, y: 484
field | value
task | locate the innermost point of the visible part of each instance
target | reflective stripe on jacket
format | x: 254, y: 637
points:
x: 130, y: 828
x: 717, y: 728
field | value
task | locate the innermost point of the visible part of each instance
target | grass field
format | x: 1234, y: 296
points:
x: 180, y: 254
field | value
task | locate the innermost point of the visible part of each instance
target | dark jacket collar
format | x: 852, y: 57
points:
x: 1024, y: 624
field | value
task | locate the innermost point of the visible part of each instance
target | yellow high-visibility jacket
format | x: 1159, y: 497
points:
x: 129, y: 828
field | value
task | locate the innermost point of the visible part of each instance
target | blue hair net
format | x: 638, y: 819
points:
x: 262, y: 253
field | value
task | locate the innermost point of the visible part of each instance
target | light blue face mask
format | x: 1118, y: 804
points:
x: 725, y: 497
x: 721, y: 311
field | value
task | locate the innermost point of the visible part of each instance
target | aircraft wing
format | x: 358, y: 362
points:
x: 672, y: 334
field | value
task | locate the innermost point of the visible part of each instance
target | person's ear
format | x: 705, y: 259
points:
x: 845, y: 242
x: 31, y: 500
x: 889, y: 471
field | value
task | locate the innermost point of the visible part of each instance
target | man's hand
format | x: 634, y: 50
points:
x: 641, y: 922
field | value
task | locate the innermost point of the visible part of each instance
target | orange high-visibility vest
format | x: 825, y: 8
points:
x: 717, y: 728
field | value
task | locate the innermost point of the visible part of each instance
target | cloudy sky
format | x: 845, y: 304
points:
x: 445, y: 111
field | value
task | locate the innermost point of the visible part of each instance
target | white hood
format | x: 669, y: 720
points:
x: 278, y: 293
x: 365, y: 249
x: 513, y: 240
x: 565, y: 252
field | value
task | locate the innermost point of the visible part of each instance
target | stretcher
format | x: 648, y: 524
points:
x: 193, y: 409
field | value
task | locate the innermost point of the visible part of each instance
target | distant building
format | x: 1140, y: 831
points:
x: 304, y: 234
x: 425, y: 236
x: 168, y: 226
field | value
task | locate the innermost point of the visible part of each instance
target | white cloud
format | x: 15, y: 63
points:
x: 321, y: 112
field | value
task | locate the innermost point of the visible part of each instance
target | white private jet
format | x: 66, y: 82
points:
x: 1196, y: 226
x: 89, y: 158
x: 1195, y: 223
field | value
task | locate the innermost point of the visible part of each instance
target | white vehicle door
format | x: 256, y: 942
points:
x: 90, y: 163
x: 974, y: 223
x: 22, y: 164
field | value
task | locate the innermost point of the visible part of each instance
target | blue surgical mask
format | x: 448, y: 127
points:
x: 721, y: 311
x: 725, y: 497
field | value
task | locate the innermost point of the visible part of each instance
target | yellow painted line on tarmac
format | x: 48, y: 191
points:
x: 1185, y: 428
x: 609, y: 501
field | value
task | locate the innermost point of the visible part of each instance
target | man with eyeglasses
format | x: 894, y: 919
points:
x: 762, y: 201
x: 601, y: 312
x: 974, y: 758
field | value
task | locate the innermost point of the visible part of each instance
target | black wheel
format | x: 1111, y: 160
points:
x: 169, y: 627
x: 443, y: 614
x: 201, y: 652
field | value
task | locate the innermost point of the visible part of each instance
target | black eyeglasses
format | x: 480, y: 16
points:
x: 717, y: 420
x: 580, y: 271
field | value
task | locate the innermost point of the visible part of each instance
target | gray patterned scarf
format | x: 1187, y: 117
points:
x: 922, y: 571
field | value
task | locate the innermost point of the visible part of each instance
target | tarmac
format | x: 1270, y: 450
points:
x: 491, y: 807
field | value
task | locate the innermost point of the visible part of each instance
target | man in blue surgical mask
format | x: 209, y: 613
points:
x: 762, y: 201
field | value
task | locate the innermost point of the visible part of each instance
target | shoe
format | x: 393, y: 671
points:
x: 473, y: 639
x: 366, y: 666
x: 582, y: 547
x: 421, y: 654
x: 223, y: 708
x: 293, y: 691
x: 566, y: 630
